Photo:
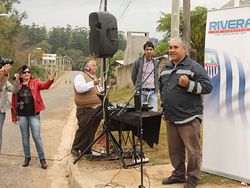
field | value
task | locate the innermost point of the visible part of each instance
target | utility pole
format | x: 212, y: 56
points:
x: 175, y: 18
x: 105, y: 5
x: 186, y: 23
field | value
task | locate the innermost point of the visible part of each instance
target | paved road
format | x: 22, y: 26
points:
x: 57, y: 123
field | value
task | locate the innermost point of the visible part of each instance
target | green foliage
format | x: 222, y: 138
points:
x: 198, y: 18
x: 37, y: 55
x: 113, y: 64
x: 75, y: 55
x: 9, y: 27
x: 38, y: 72
x: 122, y: 42
x: 60, y: 51
x: 44, y: 46
x: 59, y: 37
x: 140, y: 53
x: 198, y: 31
x: 78, y: 65
x: 162, y: 48
x: 79, y: 40
x: 34, y: 34
x: 165, y: 24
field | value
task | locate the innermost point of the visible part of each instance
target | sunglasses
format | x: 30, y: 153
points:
x: 24, y: 72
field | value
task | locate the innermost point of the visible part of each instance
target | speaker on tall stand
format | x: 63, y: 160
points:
x: 103, y: 38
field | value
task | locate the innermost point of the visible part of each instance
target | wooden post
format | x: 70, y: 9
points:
x: 175, y: 18
x: 186, y: 23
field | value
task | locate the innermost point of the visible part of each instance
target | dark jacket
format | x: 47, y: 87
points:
x: 182, y: 105
x: 137, y: 69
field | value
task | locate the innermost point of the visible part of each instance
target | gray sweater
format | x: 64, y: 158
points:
x: 3, y: 81
x: 4, y: 101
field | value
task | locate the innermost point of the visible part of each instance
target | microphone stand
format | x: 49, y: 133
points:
x: 138, y: 89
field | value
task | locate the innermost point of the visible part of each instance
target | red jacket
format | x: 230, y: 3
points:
x: 35, y: 85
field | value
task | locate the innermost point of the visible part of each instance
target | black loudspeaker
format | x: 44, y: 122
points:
x: 103, y: 36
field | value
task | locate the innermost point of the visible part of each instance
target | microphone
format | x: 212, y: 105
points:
x: 161, y: 57
x: 21, y: 70
x: 86, y: 69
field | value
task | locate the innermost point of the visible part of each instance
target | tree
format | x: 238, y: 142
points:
x: 122, y: 42
x: 119, y: 55
x: 79, y: 40
x: 34, y: 34
x: 198, y: 28
x: 198, y: 31
x: 59, y: 37
x: 165, y: 25
x: 9, y: 30
x: 76, y: 56
x: 38, y: 72
x: 162, y: 47
x: 37, y: 55
x: 9, y: 26
x: 61, y: 51
x: 44, y: 46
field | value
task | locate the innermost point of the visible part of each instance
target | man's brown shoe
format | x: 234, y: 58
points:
x: 172, y: 180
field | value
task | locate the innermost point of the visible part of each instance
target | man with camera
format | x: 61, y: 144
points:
x: 5, y: 104
x: 4, y: 74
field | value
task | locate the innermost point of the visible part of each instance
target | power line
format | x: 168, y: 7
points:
x: 119, y: 10
x: 100, y: 6
x: 123, y: 10
x: 126, y: 11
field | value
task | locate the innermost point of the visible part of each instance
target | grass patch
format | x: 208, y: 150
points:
x: 121, y: 96
x: 207, y: 178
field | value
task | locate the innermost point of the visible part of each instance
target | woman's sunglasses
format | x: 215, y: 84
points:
x: 24, y: 72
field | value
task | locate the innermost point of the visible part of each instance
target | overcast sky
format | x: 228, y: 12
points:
x: 132, y: 15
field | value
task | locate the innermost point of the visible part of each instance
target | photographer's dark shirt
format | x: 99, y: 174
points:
x: 25, y: 102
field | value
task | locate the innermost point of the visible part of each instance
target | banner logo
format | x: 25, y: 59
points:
x: 211, y: 65
x: 229, y: 26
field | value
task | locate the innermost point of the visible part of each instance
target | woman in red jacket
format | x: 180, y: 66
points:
x: 26, y: 106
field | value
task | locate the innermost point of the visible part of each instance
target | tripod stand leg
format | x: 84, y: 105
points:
x: 118, y: 152
x: 89, y: 146
x: 115, y: 144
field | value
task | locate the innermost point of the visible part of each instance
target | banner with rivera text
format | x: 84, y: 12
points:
x: 226, y: 125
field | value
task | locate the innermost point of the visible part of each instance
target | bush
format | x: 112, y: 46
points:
x: 38, y: 72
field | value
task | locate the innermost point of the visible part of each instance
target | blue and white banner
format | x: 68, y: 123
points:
x: 226, y: 125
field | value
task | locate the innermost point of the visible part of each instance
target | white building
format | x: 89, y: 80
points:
x: 49, y: 59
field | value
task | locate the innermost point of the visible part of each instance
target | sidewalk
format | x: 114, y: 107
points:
x: 86, y: 177
x: 91, y: 174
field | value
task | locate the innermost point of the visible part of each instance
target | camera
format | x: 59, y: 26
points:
x: 4, y: 61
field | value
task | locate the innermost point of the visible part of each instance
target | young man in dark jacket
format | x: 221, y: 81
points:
x: 141, y: 69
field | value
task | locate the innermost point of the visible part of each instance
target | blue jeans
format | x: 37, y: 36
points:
x: 32, y: 122
x: 151, y: 98
x: 2, y: 118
